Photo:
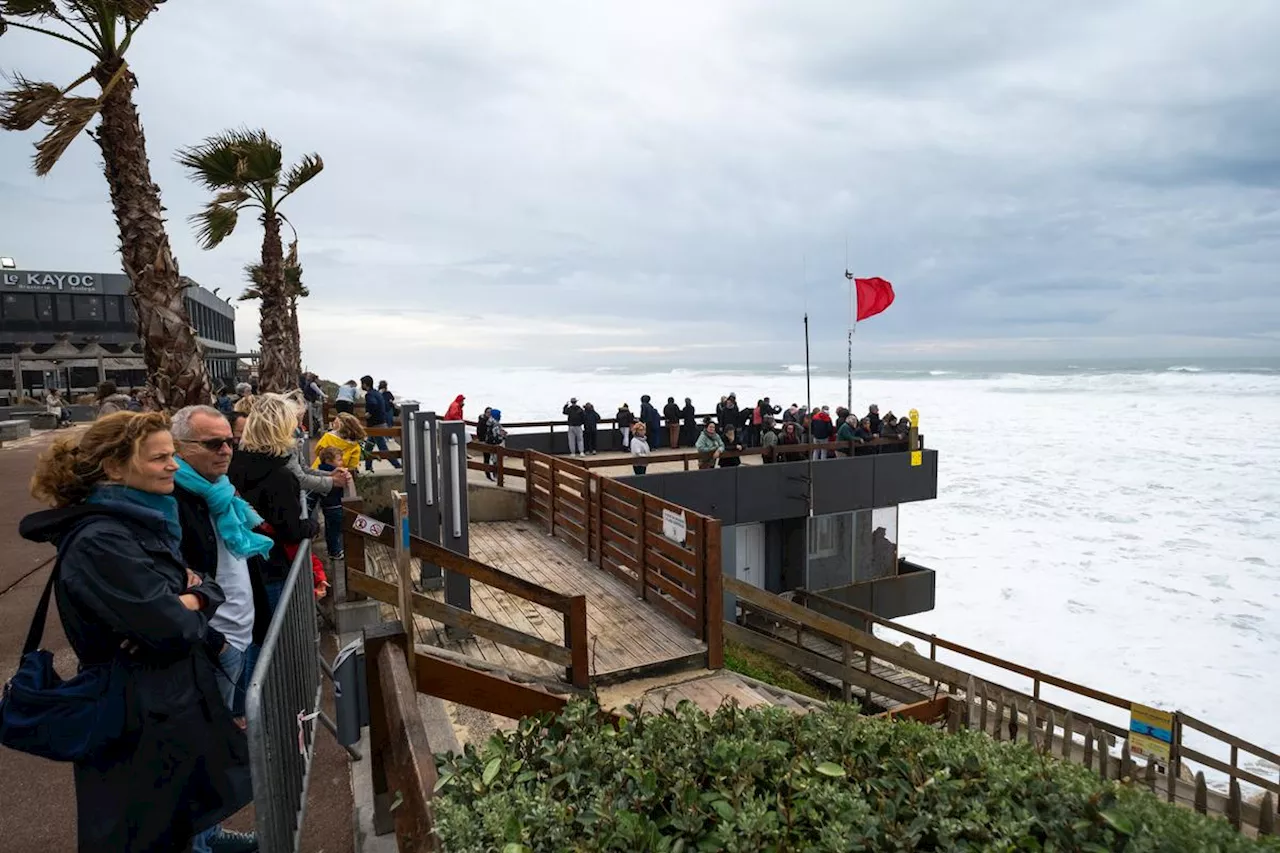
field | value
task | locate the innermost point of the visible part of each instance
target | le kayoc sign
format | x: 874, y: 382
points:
x: 47, y: 282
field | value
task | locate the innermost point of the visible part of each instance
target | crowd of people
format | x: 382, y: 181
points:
x: 175, y: 537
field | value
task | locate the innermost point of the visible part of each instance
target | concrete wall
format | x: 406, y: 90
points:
x: 912, y: 590
x: 490, y: 503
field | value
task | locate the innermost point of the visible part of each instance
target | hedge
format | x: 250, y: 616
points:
x: 767, y: 779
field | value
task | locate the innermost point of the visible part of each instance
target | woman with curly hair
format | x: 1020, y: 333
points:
x: 128, y: 602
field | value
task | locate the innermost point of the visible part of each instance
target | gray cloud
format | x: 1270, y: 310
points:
x: 586, y: 183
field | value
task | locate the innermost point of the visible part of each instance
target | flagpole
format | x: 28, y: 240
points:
x: 808, y: 396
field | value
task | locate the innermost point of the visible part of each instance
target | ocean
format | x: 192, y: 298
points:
x: 1113, y: 523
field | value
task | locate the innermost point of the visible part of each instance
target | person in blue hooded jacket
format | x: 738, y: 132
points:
x: 126, y: 598
x: 652, y: 422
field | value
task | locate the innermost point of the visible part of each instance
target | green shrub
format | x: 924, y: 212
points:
x: 770, y: 670
x: 748, y: 780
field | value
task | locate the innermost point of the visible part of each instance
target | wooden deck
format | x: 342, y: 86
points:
x: 627, y: 637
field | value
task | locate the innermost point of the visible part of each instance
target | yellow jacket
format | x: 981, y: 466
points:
x: 350, y: 450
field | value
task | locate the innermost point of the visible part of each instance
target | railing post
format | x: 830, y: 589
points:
x: 586, y: 515
x: 846, y: 691
x: 551, y: 497
x: 597, y: 489
x: 353, y: 548
x: 400, y: 524
x: 379, y: 736
x: 642, y: 564
x: 712, y: 593
x: 501, y: 464
x: 575, y: 638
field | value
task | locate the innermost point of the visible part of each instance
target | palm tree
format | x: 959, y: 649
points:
x: 293, y: 287
x: 245, y: 168
x: 105, y: 29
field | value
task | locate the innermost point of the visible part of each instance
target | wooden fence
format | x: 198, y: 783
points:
x: 572, y: 654
x: 620, y: 529
x: 1007, y: 713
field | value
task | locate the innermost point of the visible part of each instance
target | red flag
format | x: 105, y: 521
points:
x: 874, y: 295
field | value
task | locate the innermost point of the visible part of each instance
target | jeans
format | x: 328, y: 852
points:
x: 380, y: 442
x: 333, y: 530
x: 575, y: 441
x: 626, y: 437
x: 274, y: 588
x: 230, y: 668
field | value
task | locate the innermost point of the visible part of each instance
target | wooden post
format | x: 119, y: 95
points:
x: 1033, y: 726
x: 1049, y: 725
x: 597, y: 485
x: 551, y: 497
x: 586, y: 515
x: 353, y: 547
x: 970, y: 703
x: 1233, y: 803
x: 575, y: 638
x: 409, y: 764
x: 1202, y: 794
x: 642, y: 569
x: 713, y: 592
x: 1088, y: 748
x: 982, y: 713
x: 379, y: 738
x: 501, y: 463
x: 1149, y: 776
x: 1175, y: 760
x: 400, y: 522
x: 1126, y: 761
x: 1035, y: 687
x: 1068, y: 731
x: 846, y: 691
x: 1267, y: 815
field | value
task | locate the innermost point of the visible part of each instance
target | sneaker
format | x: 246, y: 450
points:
x: 230, y: 841
x: 341, y: 555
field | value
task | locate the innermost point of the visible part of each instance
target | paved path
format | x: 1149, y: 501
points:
x: 39, y: 809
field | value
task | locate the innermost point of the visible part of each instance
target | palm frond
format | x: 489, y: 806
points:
x: 253, y: 274
x: 233, y: 159
x: 68, y: 118
x: 249, y: 294
x: 38, y: 9
x: 304, y: 170
x: 232, y: 197
x: 26, y: 103
x: 214, y: 224
x: 133, y: 11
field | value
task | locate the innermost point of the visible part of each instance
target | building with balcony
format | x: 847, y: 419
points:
x: 828, y: 526
x: 74, y: 330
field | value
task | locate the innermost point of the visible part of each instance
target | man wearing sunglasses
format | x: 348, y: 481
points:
x: 218, y: 542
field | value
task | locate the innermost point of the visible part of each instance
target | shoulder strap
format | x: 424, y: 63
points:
x: 35, y: 634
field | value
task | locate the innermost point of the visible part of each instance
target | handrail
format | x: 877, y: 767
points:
x: 1179, y: 750
x: 573, y: 654
x: 935, y: 641
x: 853, y: 448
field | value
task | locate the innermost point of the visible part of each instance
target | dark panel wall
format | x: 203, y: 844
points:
x: 750, y: 493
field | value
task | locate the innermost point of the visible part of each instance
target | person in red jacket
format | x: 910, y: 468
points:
x: 455, y: 409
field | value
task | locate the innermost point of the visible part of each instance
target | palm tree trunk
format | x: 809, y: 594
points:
x: 274, y: 373
x: 295, y: 336
x: 176, y: 370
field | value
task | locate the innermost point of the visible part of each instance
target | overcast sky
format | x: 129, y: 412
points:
x: 596, y: 183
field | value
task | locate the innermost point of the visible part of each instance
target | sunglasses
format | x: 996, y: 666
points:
x: 213, y: 445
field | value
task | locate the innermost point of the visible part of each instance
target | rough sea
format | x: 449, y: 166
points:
x: 1116, y: 524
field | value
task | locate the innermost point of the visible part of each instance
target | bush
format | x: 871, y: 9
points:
x: 748, y: 780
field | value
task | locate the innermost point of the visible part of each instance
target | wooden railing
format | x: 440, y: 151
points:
x: 572, y: 654
x: 620, y: 529
x: 1002, y: 710
x: 497, y: 465
x: 779, y: 453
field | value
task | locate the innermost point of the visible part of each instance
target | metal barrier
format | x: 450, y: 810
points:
x: 282, y: 704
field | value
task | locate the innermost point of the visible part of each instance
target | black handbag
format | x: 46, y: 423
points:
x: 62, y: 720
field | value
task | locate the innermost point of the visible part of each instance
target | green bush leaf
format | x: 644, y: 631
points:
x: 491, y: 771
x: 830, y: 768
x: 1120, y: 823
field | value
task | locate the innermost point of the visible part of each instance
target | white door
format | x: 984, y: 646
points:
x: 750, y: 553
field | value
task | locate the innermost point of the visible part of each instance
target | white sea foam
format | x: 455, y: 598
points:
x: 1116, y: 529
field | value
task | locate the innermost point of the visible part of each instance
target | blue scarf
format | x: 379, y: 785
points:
x: 232, y: 515
x: 147, y: 505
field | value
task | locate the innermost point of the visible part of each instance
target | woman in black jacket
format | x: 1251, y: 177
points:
x: 126, y: 598
x: 260, y: 472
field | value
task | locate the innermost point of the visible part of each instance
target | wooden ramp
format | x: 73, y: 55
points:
x: 627, y: 637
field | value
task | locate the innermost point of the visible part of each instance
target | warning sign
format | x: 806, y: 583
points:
x: 1150, y: 732
x: 674, y: 526
x: 365, y: 524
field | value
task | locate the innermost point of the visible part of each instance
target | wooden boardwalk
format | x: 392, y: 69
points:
x: 627, y: 637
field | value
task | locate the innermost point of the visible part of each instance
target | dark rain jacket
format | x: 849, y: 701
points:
x: 625, y: 418
x: 573, y: 414
x: 270, y: 488
x: 590, y: 420
x: 671, y: 413
x: 182, y: 765
x: 375, y: 408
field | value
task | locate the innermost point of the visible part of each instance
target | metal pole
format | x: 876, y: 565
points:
x: 808, y: 397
